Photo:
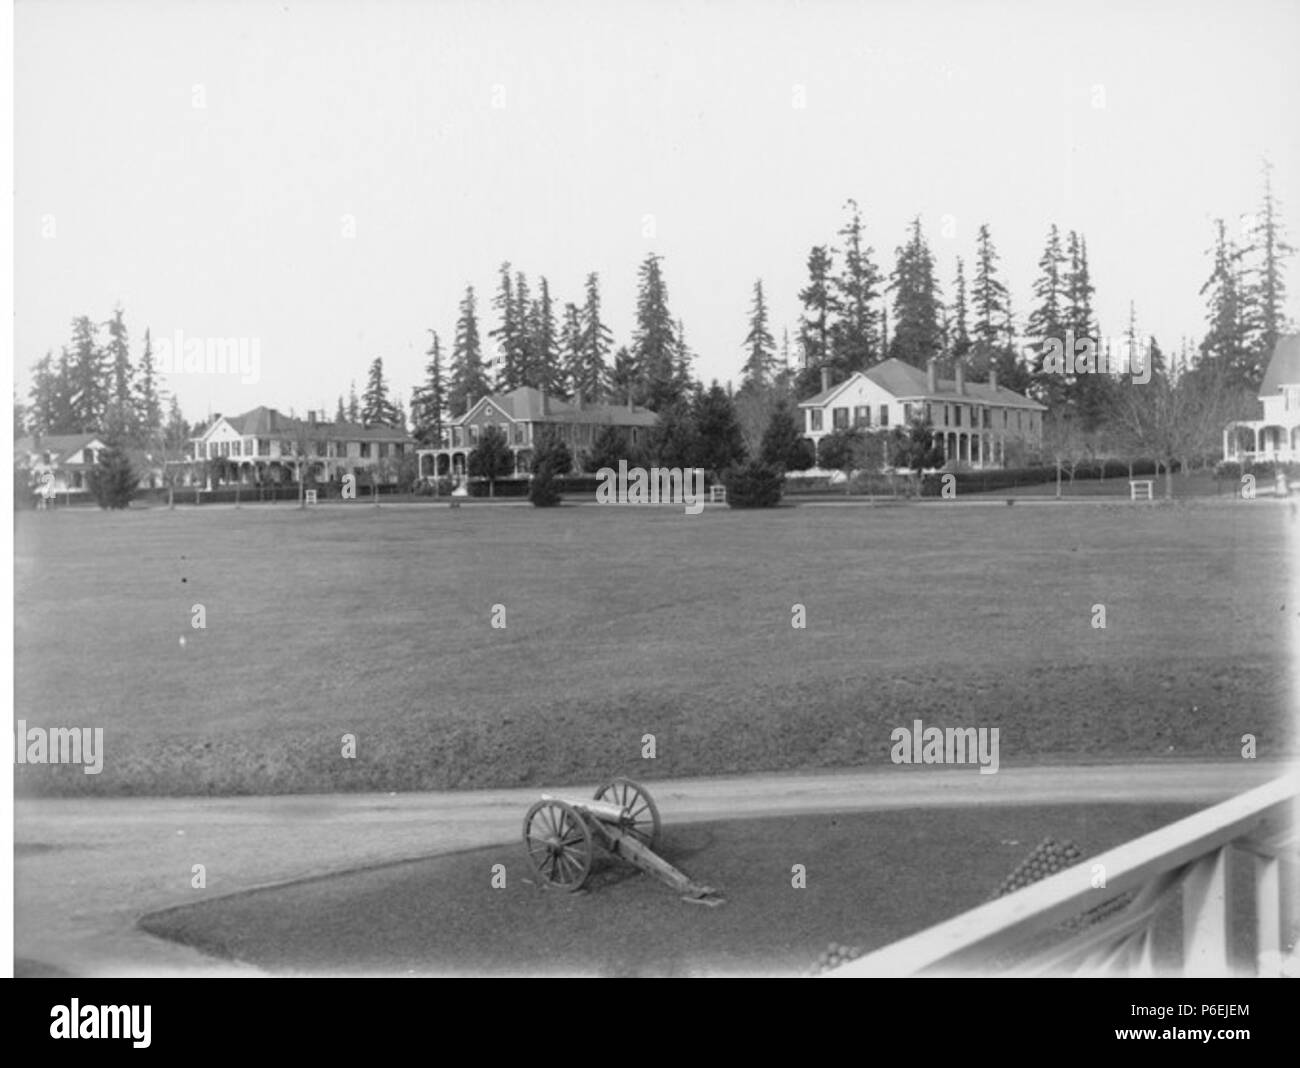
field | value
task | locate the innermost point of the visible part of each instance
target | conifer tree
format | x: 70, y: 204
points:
x: 760, y: 359
x: 856, y: 335
x: 917, y: 335
x: 467, y: 377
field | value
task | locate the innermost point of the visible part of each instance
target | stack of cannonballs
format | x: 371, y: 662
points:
x: 834, y: 956
x: 1047, y: 858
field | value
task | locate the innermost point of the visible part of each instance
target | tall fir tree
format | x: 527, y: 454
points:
x: 817, y: 320
x: 341, y: 414
x: 625, y: 377
x: 595, y: 342
x: 1048, y: 321
x: 547, y: 370
x: 89, y: 386
x: 504, y: 365
x: 856, y: 336
x: 760, y: 347
x: 431, y: 398
x: 119, y: 421
x: 525, y: 362
x: 1226, y: 344
x: 917, y: 335
x: 1266, y: 283
x: 377, y: 409
x: 148, y: 403
x: 958, y: 332
x: 354, y: 405
x: 468, y: 382
x: 653, y: 341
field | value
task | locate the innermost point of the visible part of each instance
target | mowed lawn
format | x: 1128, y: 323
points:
x: 623, y: 622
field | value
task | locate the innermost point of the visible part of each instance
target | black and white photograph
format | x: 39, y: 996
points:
x: 772, y: 489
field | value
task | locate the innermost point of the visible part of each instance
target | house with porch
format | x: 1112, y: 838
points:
x: 59, y: 465
x: 976, y: 423
x: 1275, y: 437
x: 523, y: 415
x: 265, y: 446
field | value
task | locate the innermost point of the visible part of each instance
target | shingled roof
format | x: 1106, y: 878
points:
x: 903, y: 380
x: 1283, y: 367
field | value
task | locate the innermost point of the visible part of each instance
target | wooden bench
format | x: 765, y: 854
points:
x: 1139, y: 489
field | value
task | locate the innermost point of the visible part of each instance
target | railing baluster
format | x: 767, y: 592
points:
x: 1205, y: 915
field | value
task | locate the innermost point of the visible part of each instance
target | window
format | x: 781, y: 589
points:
x: 1292, y: 398
x: 840, y: 418
x: 1004, y: 419
x: 263, y: 446
x: 473, y: 435
x: 519, y: 433
x: 945, y: 415
x: 956, y: 415
x: 365, y: 450
x: 320, y: 448
x: 1020, y: 425
x: 862, y: 415
x: 988, y: 419
x: 383, y: 450
x: 907, y: 412
x: 884, y: 415
x: 237, y: 448
x: 814, y: 419
x: 929, y: 413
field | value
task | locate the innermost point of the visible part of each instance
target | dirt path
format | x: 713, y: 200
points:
x: 86, y: 870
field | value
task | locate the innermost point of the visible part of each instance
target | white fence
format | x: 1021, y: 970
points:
x: 1193, y: 856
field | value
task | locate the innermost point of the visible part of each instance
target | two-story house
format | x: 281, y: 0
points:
x: 265, y: 445
x: 1277, y: 435
x: 977, y: 423
x: 522, y: 415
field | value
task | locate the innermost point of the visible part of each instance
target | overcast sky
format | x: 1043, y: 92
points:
x: 627, y: 127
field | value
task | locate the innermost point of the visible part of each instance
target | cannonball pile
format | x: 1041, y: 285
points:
x: 1047, y: 858
x: 835, y: 955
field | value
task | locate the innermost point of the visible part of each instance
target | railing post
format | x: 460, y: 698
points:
x: 1205, y: 915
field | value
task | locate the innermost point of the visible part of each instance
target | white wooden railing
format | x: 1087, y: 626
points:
x: 1194, y: 855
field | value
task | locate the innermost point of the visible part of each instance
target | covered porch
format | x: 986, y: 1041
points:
x: 1260, y: 441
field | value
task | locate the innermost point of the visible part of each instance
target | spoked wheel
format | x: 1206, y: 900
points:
x: 642, y: 820
x: 559, y: 844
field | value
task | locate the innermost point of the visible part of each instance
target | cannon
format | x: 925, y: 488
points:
x: 561, y: 835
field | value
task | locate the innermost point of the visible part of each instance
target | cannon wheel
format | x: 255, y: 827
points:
x: 643, y: 817
x: 559, y: 844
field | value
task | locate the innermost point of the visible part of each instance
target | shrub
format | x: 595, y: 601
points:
x: 111, y: 480
x: 755, y: 485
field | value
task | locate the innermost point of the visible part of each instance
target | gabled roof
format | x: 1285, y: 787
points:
x: 270, y: 423
x: 902, y: 380
x: 524, y: 405
x: 1283, y: 366
x: 58, y: 446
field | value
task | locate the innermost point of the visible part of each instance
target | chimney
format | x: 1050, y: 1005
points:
x: 826, y: 379
x: 993, y: 379
x: 469, y: 402
x: 931, y: 377
x: 961, y: 379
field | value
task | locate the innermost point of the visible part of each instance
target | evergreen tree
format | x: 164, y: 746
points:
x: 653, y: 341
x: 377, y: 408
x: 341, y: 415
x: 917, y: 331
x: 989, y: 298
x: 683, y: 360
x: 719, y: 441
x: 148, y: 405
x: 1267, y: 287
x: 525, y: 360
x: 594, y: 342
x: 571, y: 356
x: 111, y: 481
x: 1227, y: 341
x: 817, y: 320
x: 119, y: 412
x: 505, y: 366
x: 492, y: 458
x: 855, y: 338
x: 431, y: 398
x: 43, y: 416
x: 546, y: 370
x: 783, y: 445
x: 467, y: 377
x: 624, y: 377
x: 89, y: 391
x: 760, y: 360
x: 176, y: 433
x: 958, y: 331
x: 1047, y: 321
x: 354, y: 406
